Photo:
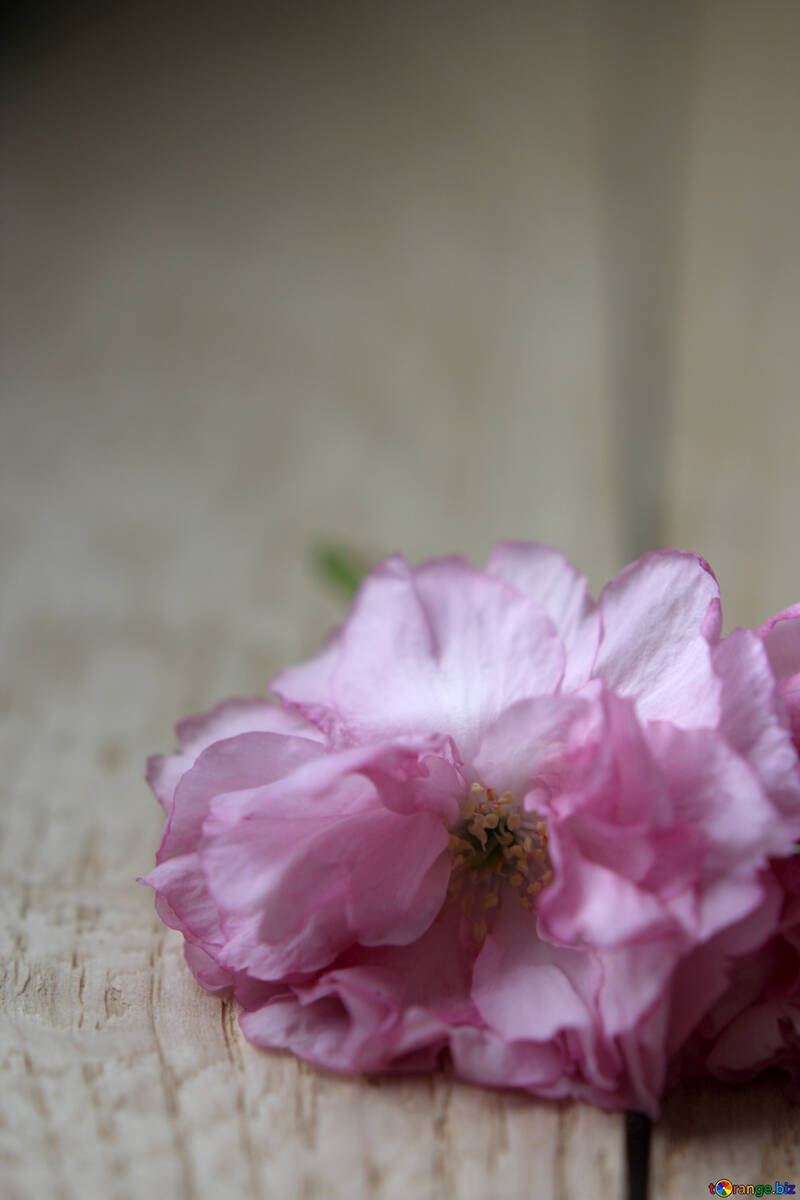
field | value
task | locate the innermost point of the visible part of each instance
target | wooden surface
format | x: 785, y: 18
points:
x: 411, y: 278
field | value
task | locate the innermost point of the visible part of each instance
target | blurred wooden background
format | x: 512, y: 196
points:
x: 413, y: 277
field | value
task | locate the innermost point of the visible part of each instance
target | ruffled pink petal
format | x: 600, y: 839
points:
x: 753, y: 722
x: 790, y: 694
x: 208, y: 973
x: 750, y: 977
x: 703, y: 975
x: 323, y: 1030
x: 759, y: 1038
x: 546, y: 743
x: 484, y: 1057
x: 441, y: 649
x: 635, y: 982
x: 233, y: 764
x: 658, y: 616
x: 781, y: 636
x: 668, y: 839
x: 544, y: 574
x: 305, y: 853
x: 245, y: 715
x: 596, y: 905
x: 307, y: 867
x: 715, y: 792
x: 644, y: 1064
x: 747, y: 977
x: 236, y: 762
x: 533, y: 994
x: 515, y: 964
x: 607, y: 831
x: 183, y: 901
x: 387, y: 1008
x: 432, y: 780
x: 307, y: 687
x: 784, y: 647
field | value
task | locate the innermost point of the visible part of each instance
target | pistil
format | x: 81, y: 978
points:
x: 495, y: 845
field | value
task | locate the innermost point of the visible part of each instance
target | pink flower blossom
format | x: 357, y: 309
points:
x: 755, y: 1023
x: 494, y: 824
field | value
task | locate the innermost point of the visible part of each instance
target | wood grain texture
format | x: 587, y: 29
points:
x: 734, y: 487
x: 745, y: 1134
x: 734, y: 484
x: 356, y: 273
x: 239, y: 318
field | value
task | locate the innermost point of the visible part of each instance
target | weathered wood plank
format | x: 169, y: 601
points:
x: 734, y: 488
x: 355, y: 290
x: 707, y: 1132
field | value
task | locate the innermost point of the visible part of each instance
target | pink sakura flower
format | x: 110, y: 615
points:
x: 756, y: 1021
x: 494, y: 824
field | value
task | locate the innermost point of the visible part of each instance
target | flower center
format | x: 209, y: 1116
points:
x: 495, y: 844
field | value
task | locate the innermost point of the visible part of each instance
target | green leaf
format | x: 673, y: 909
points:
x: 340, y: 567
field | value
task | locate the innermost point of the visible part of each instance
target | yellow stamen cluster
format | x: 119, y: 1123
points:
x: 494, y: 844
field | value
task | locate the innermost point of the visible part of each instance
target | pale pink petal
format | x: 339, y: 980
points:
x: 781, y: 637
x: 644, y: 1064
x: 516, y: 964
x: 307, y: 686
x: 441, y: 649
x: 755, y: 1040
x: 650, y: 865
x: 208, y: 973
x: 752, y: 719
x: 484, y: 1057
x: 183, y: 901
x: 307, y: 851
x: 433, y: 780
x: 235, y: 764
x: 715, y: 792
x: 606, y: 837
x: 544, y: 574
x: 547, y: 742
x: 532, y: 994
x: 316, y: 863
x: 241, y: 762
x: 610, y: 1007
x: 635, y: 979
x: 703, y: 976
x: 655, y: 643
x: 253, y: 714
x: 596, y: 905
x: 345, y: 1028
x: 321, y: 1030
x: 387, y: 1008
x: 196, y: 733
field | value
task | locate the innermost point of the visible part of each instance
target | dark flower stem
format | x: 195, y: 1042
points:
x: 637, y: 1155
